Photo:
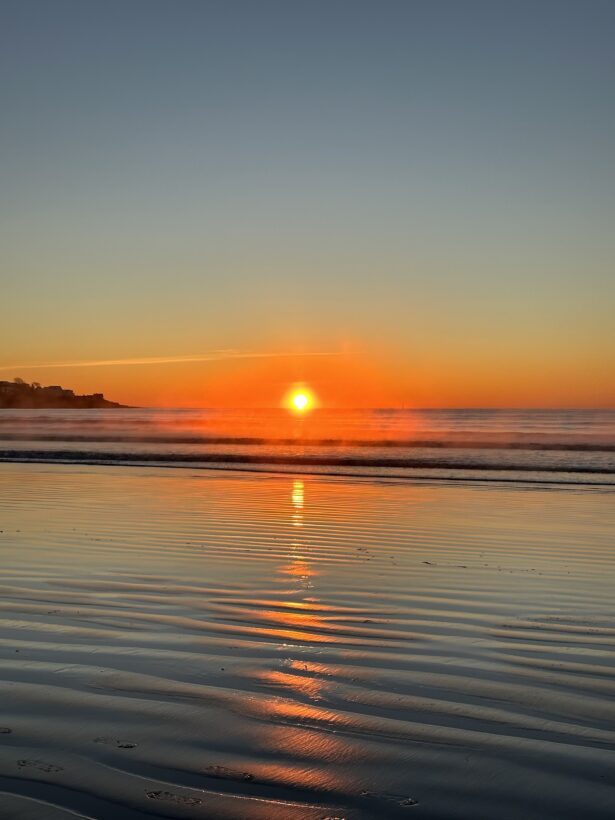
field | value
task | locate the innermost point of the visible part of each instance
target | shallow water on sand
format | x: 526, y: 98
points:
x: 191, y: 644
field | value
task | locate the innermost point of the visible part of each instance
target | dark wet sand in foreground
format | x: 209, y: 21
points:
x: 187, y: 644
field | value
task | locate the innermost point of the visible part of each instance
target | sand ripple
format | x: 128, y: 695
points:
x: 196, y: 645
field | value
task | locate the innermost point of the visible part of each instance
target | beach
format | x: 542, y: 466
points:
x: 192, y: 643
x: 307, y: 410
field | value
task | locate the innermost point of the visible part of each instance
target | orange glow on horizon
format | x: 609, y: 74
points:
x: 353, y: 379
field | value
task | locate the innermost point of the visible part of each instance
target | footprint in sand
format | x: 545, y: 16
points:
x: 171, y: 797
x: 113, y: 741
x: 400, y: 799
x: 227, y: 774
x: 41, y: 765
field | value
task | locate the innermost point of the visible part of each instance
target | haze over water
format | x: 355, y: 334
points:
x: 571, y: 445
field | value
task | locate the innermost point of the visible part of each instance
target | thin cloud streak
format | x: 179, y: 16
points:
x: 214, y: 356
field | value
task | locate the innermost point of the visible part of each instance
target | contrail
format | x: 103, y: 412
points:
x: 213, y: 356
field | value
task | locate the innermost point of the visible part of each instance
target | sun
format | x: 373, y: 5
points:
x: 300, y: 400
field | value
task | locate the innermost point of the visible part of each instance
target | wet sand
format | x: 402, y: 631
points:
x: 194, y: 644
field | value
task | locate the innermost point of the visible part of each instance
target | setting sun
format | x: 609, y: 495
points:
x: 300, y: 399
x: 300, y: 402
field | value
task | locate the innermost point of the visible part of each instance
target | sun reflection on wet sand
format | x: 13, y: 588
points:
x: 298, y: 494
x: 299, y: 567
x: 291, y: 722
x: 304, y: 614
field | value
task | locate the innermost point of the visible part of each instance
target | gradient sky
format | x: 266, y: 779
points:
x: 421, y: 193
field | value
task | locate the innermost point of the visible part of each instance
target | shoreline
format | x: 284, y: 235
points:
x: 379, y: 474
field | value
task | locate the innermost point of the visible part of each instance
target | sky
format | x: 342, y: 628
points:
x: 395, y: 203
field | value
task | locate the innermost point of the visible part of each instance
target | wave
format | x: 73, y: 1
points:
x: 300, y: 461
x: 451, y: 442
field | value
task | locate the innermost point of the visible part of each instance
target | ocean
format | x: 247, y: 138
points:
x: 563, y: 446
x: 361, y: 615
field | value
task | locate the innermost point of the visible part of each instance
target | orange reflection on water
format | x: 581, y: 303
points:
x: 304, y: 743
x: 317, y: 778
x: 298, y: 499
x: 292, y: 619
x: 311, y: 688
x: 298, y: 494
x: 298, y: 567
